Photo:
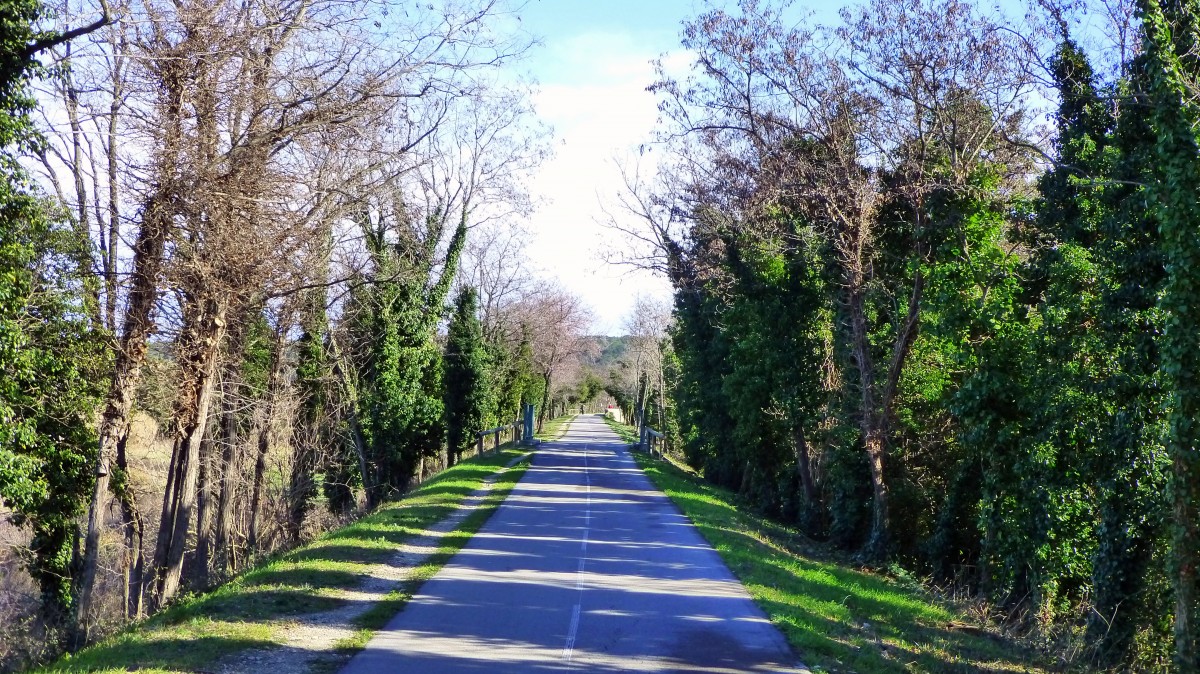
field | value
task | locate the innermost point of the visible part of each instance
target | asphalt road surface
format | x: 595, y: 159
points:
x: 585, y: 567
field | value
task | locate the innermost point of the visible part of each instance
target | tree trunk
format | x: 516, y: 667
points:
x: 157, y: 220
x: 642, y: 396
x: 82, y: 225
x: 114, y: 203
x: 260, y: 472
x: 545, y: 401
x: 264, y: 435
x: 231, y: 380
x: 134, y: 530
x: 127, y: 371
x: 803, y: 467
x: 302, y: 483
x: 223, y: 534
x: 199, y: 346
x: 1185, y: 484
x: 360, y: 452
x: 203, y: 500
x: 870, y: 427
x: 876, y: 436
x: 905, y: 339
x: 662, y: 407
x: 356, y: 434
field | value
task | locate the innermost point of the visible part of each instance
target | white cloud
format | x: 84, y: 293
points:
x: 606, y: 115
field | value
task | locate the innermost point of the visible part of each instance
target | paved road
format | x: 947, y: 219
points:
x: 586, y: 567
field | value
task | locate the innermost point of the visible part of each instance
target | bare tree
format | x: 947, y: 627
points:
x: 230, y: 106
x: 557, y: 322
x: 646, y: 325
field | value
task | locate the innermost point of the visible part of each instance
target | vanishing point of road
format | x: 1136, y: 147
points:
x: 585, y: 567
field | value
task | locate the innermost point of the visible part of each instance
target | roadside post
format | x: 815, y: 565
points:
x: 527, y: 431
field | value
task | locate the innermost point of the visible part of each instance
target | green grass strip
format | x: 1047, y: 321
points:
x: 252, y: 610
x: 627, y: 433
x: 837, y: 618
x: 554, y: 428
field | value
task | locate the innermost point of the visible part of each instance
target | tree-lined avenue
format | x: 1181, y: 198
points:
x: 586, y: 567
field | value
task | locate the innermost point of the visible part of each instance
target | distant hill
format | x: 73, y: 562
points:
x: 608, y: 351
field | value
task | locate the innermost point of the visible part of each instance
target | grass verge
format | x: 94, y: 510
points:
x: 628, y: 433
x: 838, y: 618
x: 252, y: 610
x: 554, y: 428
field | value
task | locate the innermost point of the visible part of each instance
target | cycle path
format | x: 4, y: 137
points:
x: 585, y: 567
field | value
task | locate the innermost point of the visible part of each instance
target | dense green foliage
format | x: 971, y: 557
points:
x: 1170, y: 72
x: 50, y: 354
x: 513, y: 376
x: 394, y: 327
x: 468, y: 406
x: 1032, y: 356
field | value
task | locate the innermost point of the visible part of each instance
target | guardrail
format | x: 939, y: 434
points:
x: 511, y: 431
x: 652, y: 441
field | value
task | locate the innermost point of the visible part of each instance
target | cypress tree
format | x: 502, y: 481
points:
x: 467, y: 397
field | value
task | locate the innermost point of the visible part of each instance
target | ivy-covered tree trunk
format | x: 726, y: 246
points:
x: 231, y: 383
x: 544, y: 408
x: 871, y: 429
x: 203, y: 559
x: 148, y: 252
x: 1172, y: 35
x: 310, y: 433
x: 133, y: 527
x: 114, y: 424
x: 339, y: 479
x: 272, y: 393
x: 138, y: 326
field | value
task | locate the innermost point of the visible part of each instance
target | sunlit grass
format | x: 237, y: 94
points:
x: 554, y: 429
x: 184, y: 646
x: 251, y: 611
x: 627, y: 433
x: 838, y: 618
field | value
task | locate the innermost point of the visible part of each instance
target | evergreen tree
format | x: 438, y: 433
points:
x: 468, y: 398
x: 394, y: 321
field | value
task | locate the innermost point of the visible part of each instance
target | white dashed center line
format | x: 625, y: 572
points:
x: 569, y: 648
